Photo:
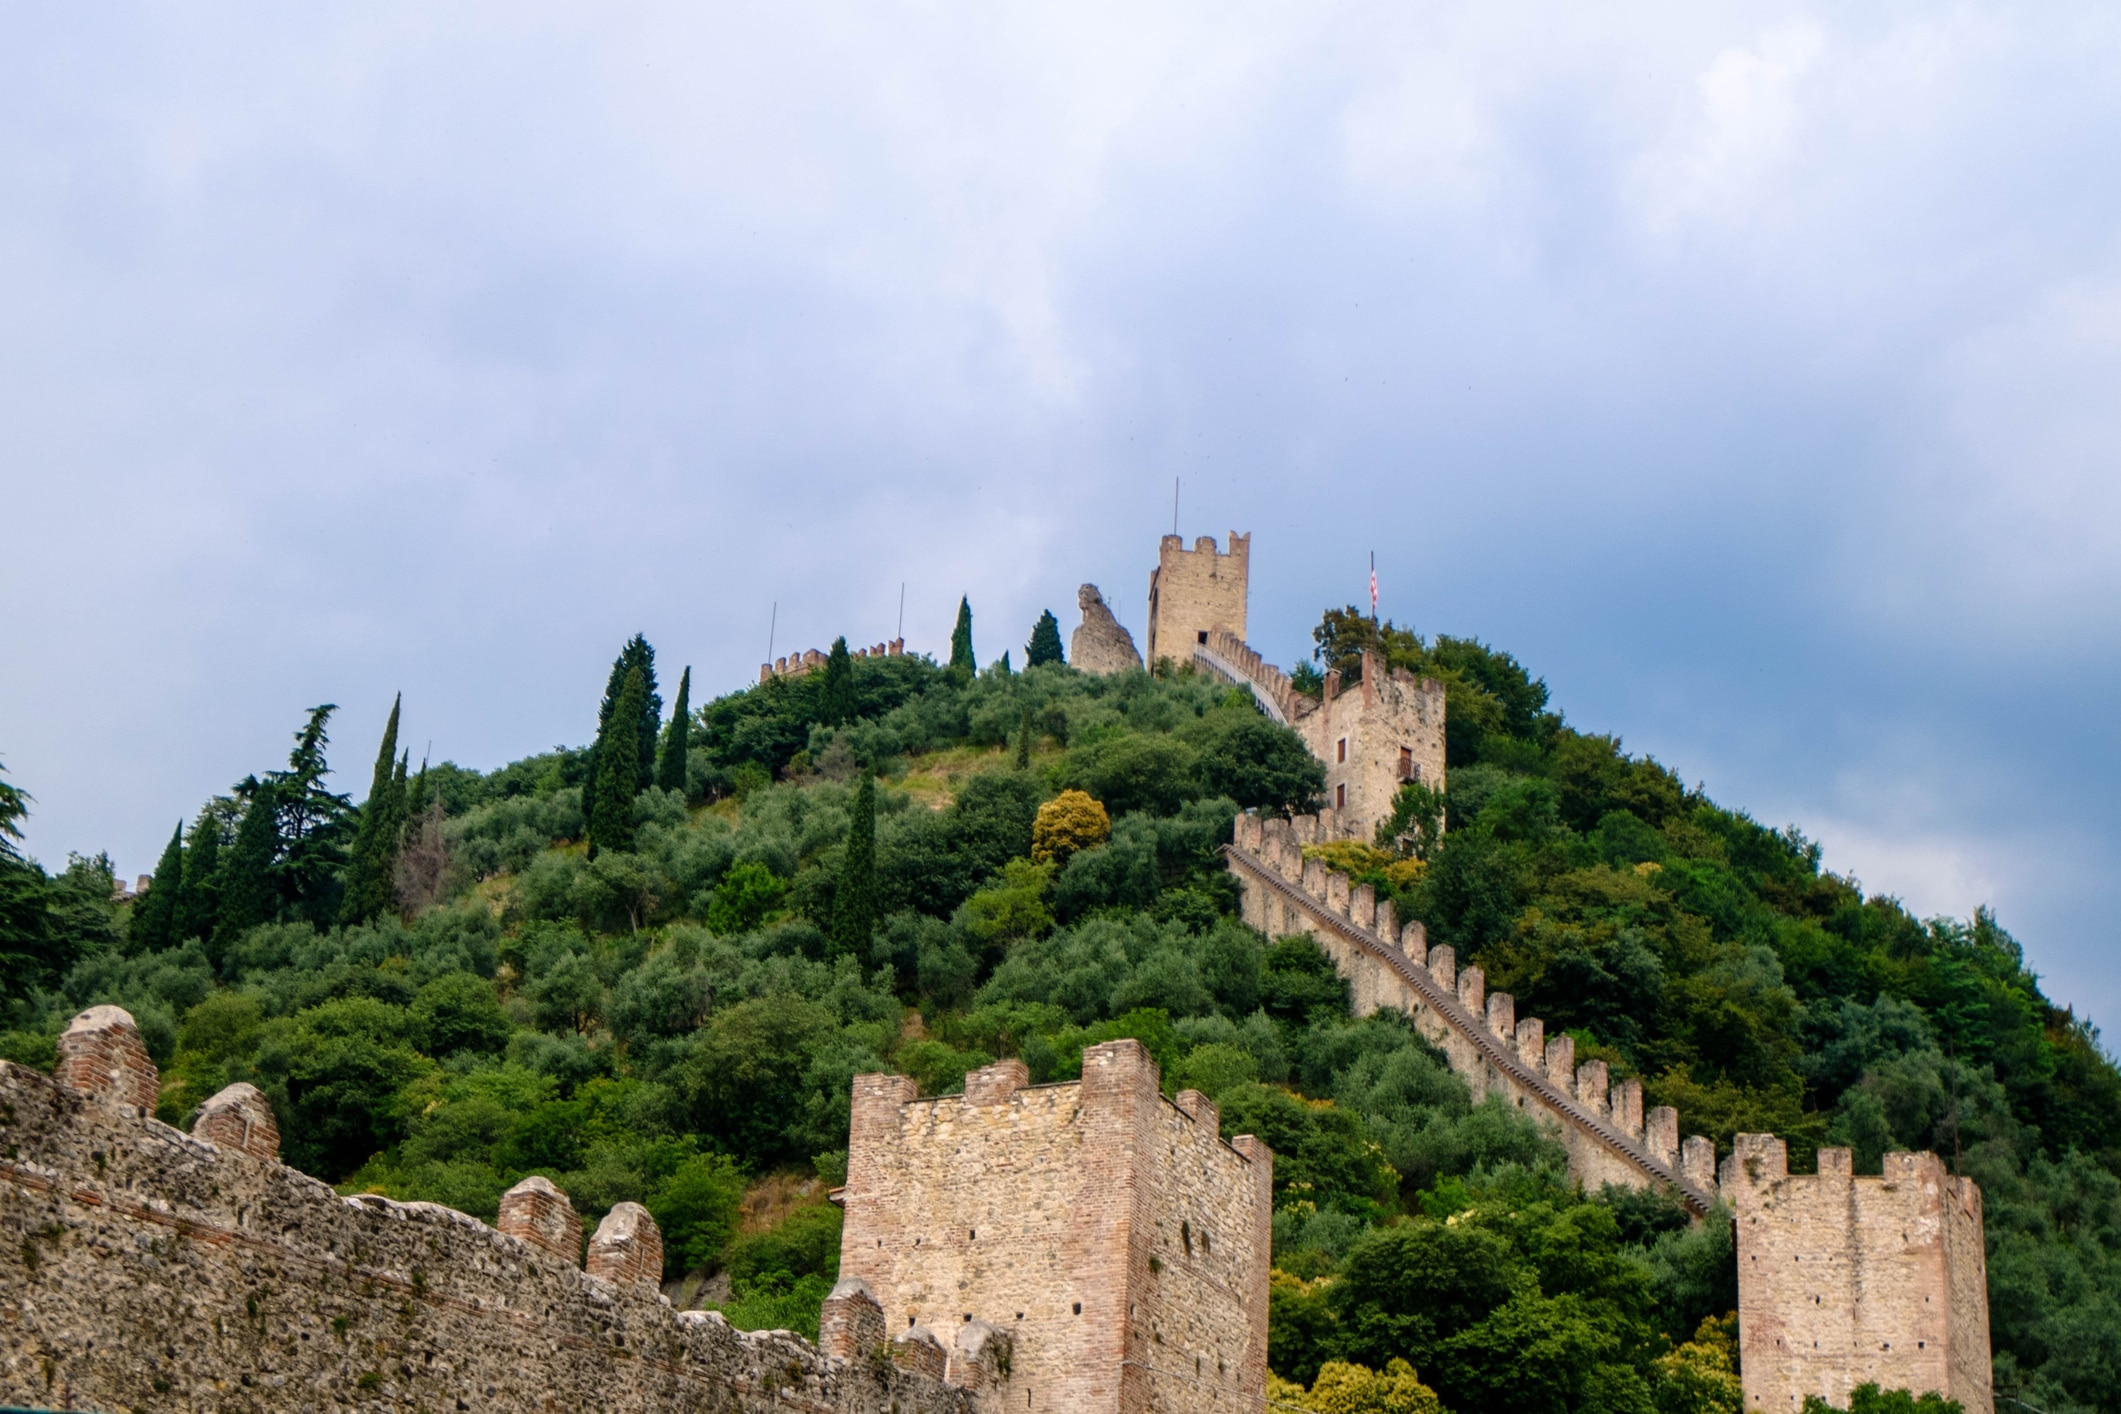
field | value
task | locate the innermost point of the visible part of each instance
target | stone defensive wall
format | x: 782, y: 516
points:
x: 1108, y: 1236
x: 810, y: 660
x: 1845, y: 1280
x: 143, y: 1268
x: 1231, y: 658
x: 1389, y: 964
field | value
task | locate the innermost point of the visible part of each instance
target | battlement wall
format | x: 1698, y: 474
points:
x: 1194, y: 592
x: 1844, y: 1280
x: 795, y: 665
x: 145, y: 1268
x: 1109, y: 1232
x: 1388, y: 963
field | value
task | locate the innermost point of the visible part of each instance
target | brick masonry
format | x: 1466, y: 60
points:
x: 143, y: 1268
x: 1107, y: 1231
x: 1843, y: 1280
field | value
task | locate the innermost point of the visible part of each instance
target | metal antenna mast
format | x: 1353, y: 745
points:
x: 1174, y: 505
x: 772, y: 624
x: 901, y: 610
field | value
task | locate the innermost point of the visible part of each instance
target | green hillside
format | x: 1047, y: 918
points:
x: 648, y: 968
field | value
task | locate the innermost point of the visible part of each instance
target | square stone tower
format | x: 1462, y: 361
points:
x: 1194, y: 592
x: 1380, y: 734
x: 1845, y: 1280
x: 1110, y: 1232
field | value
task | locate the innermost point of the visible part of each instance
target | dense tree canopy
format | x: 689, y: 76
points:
x: 893, y: 864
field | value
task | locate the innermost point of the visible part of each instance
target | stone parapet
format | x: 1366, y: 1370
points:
x: 537, y: 1212
x: 101, y: 1054
x: 627, y: 1247
x: 240, y: 1120
x: 1487, y: 1042
x: 141, y: 1267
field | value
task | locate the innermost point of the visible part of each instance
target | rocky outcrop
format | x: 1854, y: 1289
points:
x: 1101, y: 644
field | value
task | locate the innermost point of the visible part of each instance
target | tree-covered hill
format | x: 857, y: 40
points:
x: 649, y: 967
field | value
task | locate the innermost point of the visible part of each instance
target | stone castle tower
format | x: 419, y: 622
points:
x: 1107, y: 1234
x: 1193, y: 593
x: 1845, y: 1280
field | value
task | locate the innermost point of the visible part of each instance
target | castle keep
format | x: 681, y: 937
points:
x: 1193, y: 593
x: 1109, y: 1232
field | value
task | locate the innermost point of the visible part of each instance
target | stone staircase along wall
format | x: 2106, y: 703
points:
x: 1389, y: 964
x: 144, y: 1268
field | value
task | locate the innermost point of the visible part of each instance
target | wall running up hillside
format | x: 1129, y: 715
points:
x: 1387, y: 964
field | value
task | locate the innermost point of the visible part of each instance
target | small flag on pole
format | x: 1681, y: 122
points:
x: 1373, y: 586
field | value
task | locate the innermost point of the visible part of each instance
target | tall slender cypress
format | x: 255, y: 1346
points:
x: 854, y: 903
x: 618, y: 773
x: 156, y: 917
x: 201, y: 904
x: 1023, y: 742
x: 677, y: 739
x: 1045, y: 644
x: 374, y: 859
x: 961, y: 659
x: 250, y: 895
x: 836, y: 702
x: 647, y: 721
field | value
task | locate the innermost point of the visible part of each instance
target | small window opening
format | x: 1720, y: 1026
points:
x: 1204, y: 635
x: 1406, y: 763
x: 1185, y: 1235
x: 1343, y: 748
x: 1340, y: 796
x: 1078, y: 1308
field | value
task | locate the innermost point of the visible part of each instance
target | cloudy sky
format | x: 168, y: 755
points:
x: 1749, y: 371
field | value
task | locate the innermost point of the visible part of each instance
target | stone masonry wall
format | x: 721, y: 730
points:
x: 1385, y: 731
x: 1195, y: 592
x: 142, y: 1268
x: 1389, y: 964
x: 1843, y: 1280
x: 1121, y: 1245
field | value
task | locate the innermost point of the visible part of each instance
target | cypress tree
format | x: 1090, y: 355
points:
x: 1023, y: 742
x: 157, y: 917
x: 374, y: 857
x: 201, y: 904
x: 854, y: 903
x: 618, y: 773
x: 677, y: 739
x: 961, y: 659
x: 250, y: 895
x: 647, y: 722
x: 836, y: 702
x: 1045, y: 644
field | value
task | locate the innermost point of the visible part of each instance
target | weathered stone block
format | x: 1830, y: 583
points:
x: 851, y: 1324
x: 1473, y: 990
x: 1443, y: 966
x: 994, y: 1084
x: 627, y: 1247
x: 101, y: 1054
x: 1697, y: 1162
x: 1362, y: 905
x: 1532, y: 1042
x: 541, y: 1215
x: 980, y: 1357
x: 240, y: 1120
x: 1502, y: 1015
x: 1561, y: 1060
x: 1661, y: 1137
x: 916, y: 1349
x: 1627, y: 1107
x: 1592, y: 1078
